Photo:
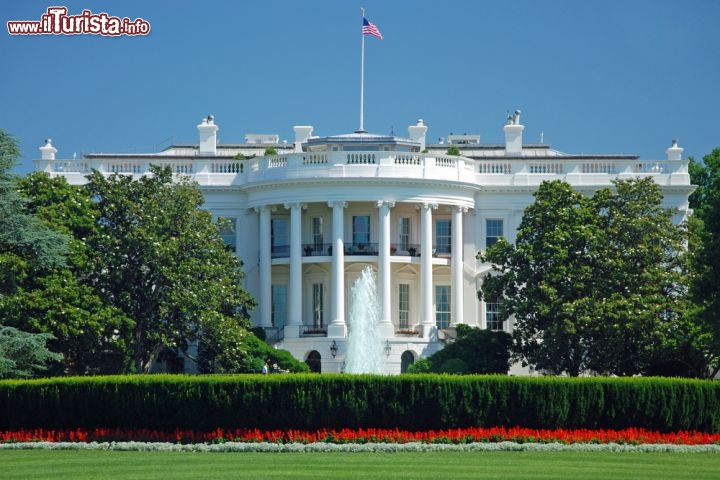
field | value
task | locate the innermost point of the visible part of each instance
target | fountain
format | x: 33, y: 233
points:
x: 365, y: 345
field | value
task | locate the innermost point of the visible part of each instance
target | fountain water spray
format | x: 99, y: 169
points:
x: 365, y: 351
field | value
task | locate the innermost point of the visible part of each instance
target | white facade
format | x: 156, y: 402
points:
x: 309, y: 219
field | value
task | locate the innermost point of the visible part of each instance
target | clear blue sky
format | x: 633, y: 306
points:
x: 611, y: 76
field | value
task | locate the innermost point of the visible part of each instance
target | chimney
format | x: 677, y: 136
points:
x: 674, y: 152
x: 302, y: 133
x: 48, y: 151
x: 208, y: 136
x: 513, y: 134
x: 417, y: 133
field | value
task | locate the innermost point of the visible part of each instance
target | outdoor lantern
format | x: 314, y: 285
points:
x: 387, y: 348
x: 333, y: 349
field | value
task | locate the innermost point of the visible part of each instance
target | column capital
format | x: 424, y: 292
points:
x: 260, y: 208
x: 338, y: 203
x: 459, y: 208
x: 389, y: 204
x: 431, y: 206
x: 295, y: 205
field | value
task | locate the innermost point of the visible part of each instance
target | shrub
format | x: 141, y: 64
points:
x: 474, y: 351
x: 453, y: 151
x: 310, y: 401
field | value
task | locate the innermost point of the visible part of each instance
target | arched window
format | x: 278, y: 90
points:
x: 313, y: 361
x: 406, y: 359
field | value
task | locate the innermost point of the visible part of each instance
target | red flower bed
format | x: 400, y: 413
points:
x: 456, y: 436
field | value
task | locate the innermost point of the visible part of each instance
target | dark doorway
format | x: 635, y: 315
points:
x: 313, y: 361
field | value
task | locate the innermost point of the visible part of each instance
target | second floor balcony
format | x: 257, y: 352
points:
x: 359, y: 249
x: 497, y: 170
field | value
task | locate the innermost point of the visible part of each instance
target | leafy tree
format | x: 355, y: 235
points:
x: 159, y: 259
x: 26, y: 244
x: 545, y: 279
x: 595, y: 283
x: 474, y: 351
x: 28, y: 248
x: 270, y: 151
x: 705, y: 251
x: 22, y: 354
x: 91, y: 335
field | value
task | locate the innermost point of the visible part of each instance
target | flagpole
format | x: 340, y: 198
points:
x: 362, y: 75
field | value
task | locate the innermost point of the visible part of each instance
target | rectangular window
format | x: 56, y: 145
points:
x: 279, y: 305
x: 317, y: 230
x: 318, y: 308
x: 361, y: 229
x: 493, y: 231
x: 442, y: 306
x: 279, y: 237
x: 404, y: 234
x: 443, y: 231
x: 227, y: 232
x: 404, y: 306
x: 492, y: 315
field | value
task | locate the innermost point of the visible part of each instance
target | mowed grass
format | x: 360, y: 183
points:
x: 78, y: 465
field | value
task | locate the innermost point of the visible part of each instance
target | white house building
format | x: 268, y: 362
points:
x: 309, y: 218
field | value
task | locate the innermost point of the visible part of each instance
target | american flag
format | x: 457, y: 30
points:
x: 369, y: 28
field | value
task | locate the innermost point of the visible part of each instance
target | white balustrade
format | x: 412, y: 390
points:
x: 500, y: 171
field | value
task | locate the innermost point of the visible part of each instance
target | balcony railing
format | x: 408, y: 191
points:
x: 498, y: 170
x: 356, y: 249
x: 316, y: 249
x: 361, y: 249
x: 280, y: 251
x: 313, y: 331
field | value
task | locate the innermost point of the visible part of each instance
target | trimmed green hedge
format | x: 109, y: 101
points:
x: 308, y: 401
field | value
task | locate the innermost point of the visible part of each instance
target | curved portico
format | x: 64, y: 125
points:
x: 401, y: 240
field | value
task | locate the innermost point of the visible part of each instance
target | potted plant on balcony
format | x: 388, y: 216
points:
x: 412, y: 251
x: 393, y: 249
x: 453, y: 150
x: 308, y: 250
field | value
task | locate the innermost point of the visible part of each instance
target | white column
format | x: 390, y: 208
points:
x: 386, y: 326
x: 427, y: 322
x: 265, y: 267
x: 456, y: 265
x: 338, y: 327
x: 295, y: 287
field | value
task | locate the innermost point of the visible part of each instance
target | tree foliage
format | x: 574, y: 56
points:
x: 160, y: 260
x: 595, y: 284
x: 27, y: 245
x: 28, y: 248
x: 705, y: 250
x: 22, y: 354
x: 146, y: 271
x: 474, y: 351
x: 91, y: 334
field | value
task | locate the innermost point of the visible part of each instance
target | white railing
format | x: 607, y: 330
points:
x: 546, y: 167
x: 226, y: 167
x: 71, y: 166
x: 500, y: 171
x: 125, y: 167
x: 495, y: 168
x: 360, y: 158
x: 315, y: 159
x: 407, y: 159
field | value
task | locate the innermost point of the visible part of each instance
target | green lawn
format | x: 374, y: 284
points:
x: 78, y: 465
